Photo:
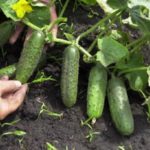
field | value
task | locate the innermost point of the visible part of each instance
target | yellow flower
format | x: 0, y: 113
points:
x: 21, y: 8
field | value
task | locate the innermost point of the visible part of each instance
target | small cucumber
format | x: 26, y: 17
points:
x: 119, y: 106
x: 9, y: 70
x: 96, y: 91
x: 30, y: 56
x: 6, y: 29
x: 69, y: 75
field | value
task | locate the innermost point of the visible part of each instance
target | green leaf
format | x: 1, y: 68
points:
x: 135, y: 60
x: 110, y: 6
x: 145, y: 3
x: 148, y: 72
x: 7, y: 10
x: 111, y: 51
x: 14, y: 133
x: 49, y: 146
x: 69, y: 36
x: 120, y: 36
x: 137, y: 80
x: 40, y: 16
x: 140, y: 15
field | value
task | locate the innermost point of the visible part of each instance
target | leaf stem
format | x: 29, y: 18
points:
x: 132, y: 70
x: 143, y: 38
x: 83, y: 50
x: 31, y: 25
x: 64, y: 8
x: 84, y: 34
x: 74, y: 43
x: 57, y: 40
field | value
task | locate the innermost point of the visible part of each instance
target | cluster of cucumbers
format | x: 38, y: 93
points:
x: 98, y: 87
x: 98, y: 83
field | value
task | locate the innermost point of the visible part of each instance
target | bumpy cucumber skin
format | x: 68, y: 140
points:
x: 6, y: 29
x: 69, y: 75
x: 9, y: 70
x: 30, y: 56
x: 96, y: 91
x: 119, y: 106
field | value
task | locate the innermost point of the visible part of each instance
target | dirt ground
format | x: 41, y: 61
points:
x: 67, y: 132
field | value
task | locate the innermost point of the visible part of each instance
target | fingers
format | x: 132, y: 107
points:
x: 4, y: 78
x: 18, y: 98
x: 12, y: 102
x: 9, y: 86
x: 18, y: 30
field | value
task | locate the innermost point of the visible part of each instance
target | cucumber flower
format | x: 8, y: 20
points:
x: 21, y: 8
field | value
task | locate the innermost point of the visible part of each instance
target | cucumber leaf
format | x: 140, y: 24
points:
x: 137, y: 80
x: 7, y: 10
x: 110, y: 6
x: 40, y: 16
x: 133, y: 3
x: 111, y: 51
x: 135, y: 60
x: 140, y: 15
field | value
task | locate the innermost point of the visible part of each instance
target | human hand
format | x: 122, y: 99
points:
x: 12, y: 94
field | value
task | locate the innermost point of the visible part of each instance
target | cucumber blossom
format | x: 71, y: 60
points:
x: 69, y: 75
x: 119, y: 106
x: 30, y: 56
x: 96, y: 91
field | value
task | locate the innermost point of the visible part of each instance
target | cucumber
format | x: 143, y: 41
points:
x: 6, y: 29
x: 96, y: 91
x: 69, y: 75
x: 9, y: 70
x: 119, y: 106
x: 30, y: 56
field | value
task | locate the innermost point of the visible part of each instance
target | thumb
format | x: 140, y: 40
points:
x: 18, y: 98
x: 9, y: 86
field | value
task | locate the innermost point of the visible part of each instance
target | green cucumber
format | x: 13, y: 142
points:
x: 96, y: 91
x: 69, y: 75
x: 119, y: 106
x: 6, y: 29
x: 30, y: 56
x: 8, y: 70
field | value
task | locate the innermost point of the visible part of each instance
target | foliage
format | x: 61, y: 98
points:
x: 116, y: 50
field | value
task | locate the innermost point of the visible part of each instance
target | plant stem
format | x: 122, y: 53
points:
x: 143, y: 38
x: 137, y: 46
x: 69, y: 43
x: 31, y: 25
x: 51, y: 25
x: 132, y: 70
x: 98, y: 36
x: 64, y: 8
x: 84, y: 34
x: 57, y: 40
x: 83, y: 50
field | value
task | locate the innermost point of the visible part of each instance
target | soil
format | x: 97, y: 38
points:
x: 67, y: 132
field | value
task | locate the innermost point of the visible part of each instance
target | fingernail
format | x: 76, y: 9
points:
x: 18, y: 83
